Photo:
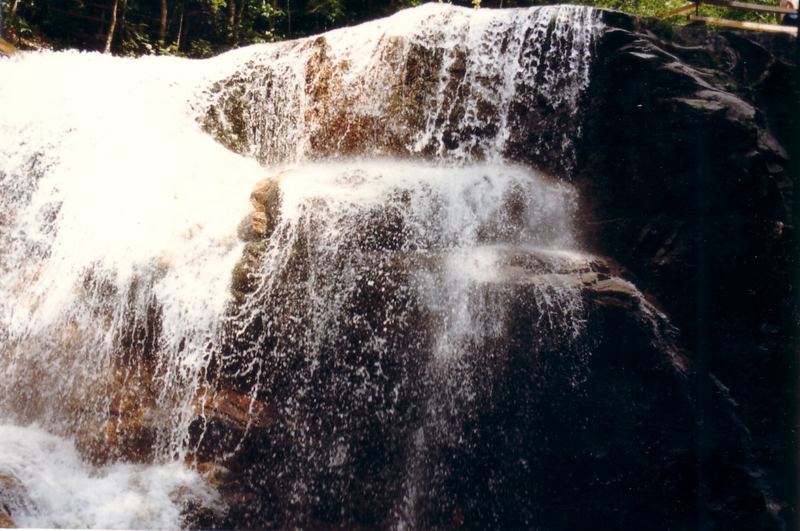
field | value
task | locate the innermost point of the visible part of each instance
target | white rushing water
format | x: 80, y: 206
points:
x: 45, y: 484
x: 352, y: 218
x: 119, y: 216
x: 438, y: 81
x: 113, y: 201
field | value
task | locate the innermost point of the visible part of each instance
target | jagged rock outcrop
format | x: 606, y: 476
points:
x: 255, y: 229
x: 685, y: 172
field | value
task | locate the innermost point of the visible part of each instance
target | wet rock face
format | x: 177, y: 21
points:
x: 346, y: 390
x: 366, y: 423
x: 683, y: 174
x: 453, y: 93
x: 687, y: 141
x: 685, y: 178
x: 507, y: 434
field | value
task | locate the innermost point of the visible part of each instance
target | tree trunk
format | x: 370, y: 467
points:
x: 239, y: 21
x: 180, y: 27
x: 162, y: 26
x: 289, y: 17
x: 111, y: 27
x: 231, y: 19
x: 14, y: 8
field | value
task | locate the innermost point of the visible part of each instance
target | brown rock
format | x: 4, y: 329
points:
x: 233, y: 409
x: 265, y: 200
x: 265, y: 196
x: 6, y: 522
x: 214, y: 473
x: 260, y: 225
x: 129, y: 431
x: 6, y: 48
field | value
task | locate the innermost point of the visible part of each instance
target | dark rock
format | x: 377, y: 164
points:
x: 684, y: 175
x: 684, y: 178
x: 542, y: 421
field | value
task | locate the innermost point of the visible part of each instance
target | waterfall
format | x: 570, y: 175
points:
x: 363, y: 316
x: 379, y: 276
x: 435, y: 81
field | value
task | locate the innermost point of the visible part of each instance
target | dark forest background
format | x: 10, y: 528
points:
x: 200, y: 28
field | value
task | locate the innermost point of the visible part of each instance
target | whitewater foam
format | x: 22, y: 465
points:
x: 114, y: 203
x: 45, y: 484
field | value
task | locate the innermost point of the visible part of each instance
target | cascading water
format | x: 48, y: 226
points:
x: 46, y: 484
x: 381, y: 279
x: 363, y: 320
x: 115, y: 210
x: 434, y: 81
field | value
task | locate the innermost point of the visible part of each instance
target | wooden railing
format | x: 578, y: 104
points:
x: 739, y: 24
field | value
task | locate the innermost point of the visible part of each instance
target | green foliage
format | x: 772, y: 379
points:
x: 331, y: 10
x: 201, y: 48
x: 199, y: 28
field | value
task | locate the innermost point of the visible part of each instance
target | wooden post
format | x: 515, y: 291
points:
x: 748, y: 6
x: 679, y: 10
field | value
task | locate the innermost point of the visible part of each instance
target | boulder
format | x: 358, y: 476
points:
x: 6, y: 522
